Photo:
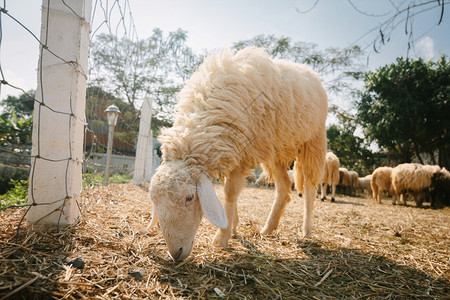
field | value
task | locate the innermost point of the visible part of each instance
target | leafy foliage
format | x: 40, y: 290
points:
x: 91, y: 180
x: 353, y: 152
x: 134, y: 70
x: 405, y: 106
x: 16, y: 121
x: 22, y: 106
x: 17, y: 195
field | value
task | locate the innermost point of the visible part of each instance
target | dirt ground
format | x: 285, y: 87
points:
x: 359, y: 250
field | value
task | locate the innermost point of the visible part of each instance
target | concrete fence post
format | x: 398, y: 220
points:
x: 59, y: 113
x: 144, y: 148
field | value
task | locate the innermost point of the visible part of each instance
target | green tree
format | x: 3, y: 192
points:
x: 22, y: 105
x: 133, y: 70
x: 405, y: 108
x: 16, y: 121
x: 352, y: 150
x: 97, y: 100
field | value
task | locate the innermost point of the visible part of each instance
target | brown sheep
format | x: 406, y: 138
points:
x: 331, y: 176
x: 413, y: 179
x: 440, y: 188
x: 380, y: 182
x: 348, y: 180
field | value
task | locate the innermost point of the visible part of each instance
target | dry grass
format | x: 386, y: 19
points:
x: 359, y: 250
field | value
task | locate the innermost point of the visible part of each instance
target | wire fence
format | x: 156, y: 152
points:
x: 112, y: 17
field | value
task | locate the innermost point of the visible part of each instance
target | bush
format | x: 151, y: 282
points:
x: 18, y: 195
x: 11, y: 174
x: 91, y: 180
x: 121, y: 178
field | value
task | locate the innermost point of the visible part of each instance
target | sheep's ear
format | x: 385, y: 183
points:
x: 211, y: 206
x: 154, y: 218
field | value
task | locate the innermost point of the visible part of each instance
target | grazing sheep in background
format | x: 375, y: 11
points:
x: 440, y: 188
x: 380, y: 182
x: 413, y: 179
x: 250, y: 178
x: 291, y: 178
x: 354, y: 181
x: 331, y: 176
x: 348, y: 180
x: 264, y: 180
x: 364, y: 184
x: 344, y: 178
x: 240, y: 108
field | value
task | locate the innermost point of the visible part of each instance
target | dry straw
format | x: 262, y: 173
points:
x: 360, y: 250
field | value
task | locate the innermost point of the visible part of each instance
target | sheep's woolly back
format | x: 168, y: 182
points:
x: 354, y: 179
x: 364, y: 183
x: 331, y: 169
x: 412, y: 177
x: 381, y: 181
x: 381, y: 178
x: 241, y: 108
x: 344, y: 177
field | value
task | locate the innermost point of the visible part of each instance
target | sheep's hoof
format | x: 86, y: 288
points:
x: 308, y: 235
x: 220, y: 241
x: 332, y: 199
x: 300, y: 195
x: 266, y: 231
x: 220, y: 244
x: 323, y: 198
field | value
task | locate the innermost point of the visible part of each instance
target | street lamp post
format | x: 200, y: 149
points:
x: 112, y: 114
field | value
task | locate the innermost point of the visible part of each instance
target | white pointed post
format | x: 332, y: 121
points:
x: 144, y: 148
x: 59, y: 113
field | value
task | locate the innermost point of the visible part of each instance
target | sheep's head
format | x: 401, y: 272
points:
x: 180, y: 196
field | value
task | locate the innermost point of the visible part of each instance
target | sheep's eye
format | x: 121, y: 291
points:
x: 189, y: 197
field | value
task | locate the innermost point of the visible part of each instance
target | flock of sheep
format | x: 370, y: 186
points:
x: 240, y: 109
x: 422, y: 182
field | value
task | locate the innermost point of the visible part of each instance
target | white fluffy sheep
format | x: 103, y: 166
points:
x: 380, y: 182
x: 364, y: 184
x: 413, y: 179
x: 264, y: 179
x: 291, y: 178
x: 331, y: 175
x: 240, y: 108
x: 251, y: 177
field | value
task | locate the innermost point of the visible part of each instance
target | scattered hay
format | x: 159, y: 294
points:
x: 359, y: 250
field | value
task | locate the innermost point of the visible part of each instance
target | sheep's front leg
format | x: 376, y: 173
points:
x: 233, y: 186
x: 283, y: 187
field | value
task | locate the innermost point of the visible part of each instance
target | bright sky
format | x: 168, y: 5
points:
x: 213, y: 24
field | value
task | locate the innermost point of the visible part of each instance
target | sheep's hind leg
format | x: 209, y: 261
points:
x: 333, y: 191
x: 323, y: 191
x: 232, y: 188
x: 283, y: 187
